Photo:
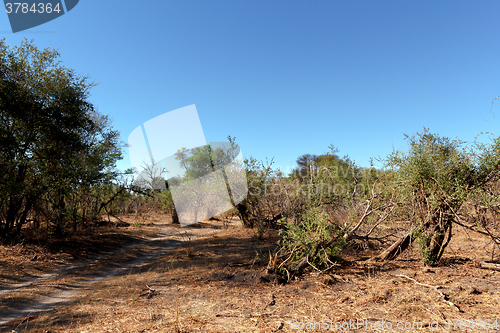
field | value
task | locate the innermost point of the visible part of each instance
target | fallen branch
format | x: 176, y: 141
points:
x: 150, y: 293
x: 436, y: 288
x: 489, y: 265
x: 378, y: 239
x: 245, y: 316
x: 495, y: 238
x: 398, y: 247
x: 238, y: 264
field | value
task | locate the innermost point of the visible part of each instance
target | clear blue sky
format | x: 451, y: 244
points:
x: 288, y: 77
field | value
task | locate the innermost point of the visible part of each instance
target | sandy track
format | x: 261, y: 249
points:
x: 165, y: 241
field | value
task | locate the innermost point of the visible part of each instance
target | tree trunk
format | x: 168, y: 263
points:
x: 175, y: 217
x: 435, y: 244
x: 397, y: 248
x: 244, y: 215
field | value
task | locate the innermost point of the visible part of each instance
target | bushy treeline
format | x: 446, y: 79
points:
x: 329, y: 202
x: 58, y: 157
x: 314, y: 207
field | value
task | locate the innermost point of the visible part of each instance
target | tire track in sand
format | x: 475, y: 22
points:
x: 67, y: 292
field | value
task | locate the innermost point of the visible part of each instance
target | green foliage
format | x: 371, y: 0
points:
x: 166, y: 200
x: 330, y: 179
x: 435, y: 168
x: 263, y: 207
x: 201, y: 161
x: 197, y: 161
x: 53, y: 143
x: 313, y: 238
x: 423, y: 240
x: 434, y: 179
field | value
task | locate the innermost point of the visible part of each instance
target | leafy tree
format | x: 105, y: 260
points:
x: 305, y: 165
x: 434, y: 179
x: 209, y: 170
x: 197, y: 162
x: 52, y: 141
x: 330, y: 179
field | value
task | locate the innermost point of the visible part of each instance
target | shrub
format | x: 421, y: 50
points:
x: 434, y: 179
x: 313, y: 241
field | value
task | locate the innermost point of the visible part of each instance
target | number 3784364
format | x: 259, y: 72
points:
x: 36, y: 8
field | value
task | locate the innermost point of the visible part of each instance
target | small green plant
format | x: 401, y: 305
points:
x: 259, y: 232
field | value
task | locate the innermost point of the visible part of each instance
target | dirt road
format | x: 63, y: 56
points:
x: 27, y: 299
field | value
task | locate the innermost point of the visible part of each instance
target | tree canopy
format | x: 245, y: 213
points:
x: 52, y: 140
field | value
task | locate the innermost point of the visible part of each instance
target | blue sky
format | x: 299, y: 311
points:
x: 288, y: 77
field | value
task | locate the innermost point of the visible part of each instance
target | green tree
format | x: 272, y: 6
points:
x: 305, y: 166
x: 434, y: 179
x: 52, y: 141
x: 197, y: 161
x: 205, y: 185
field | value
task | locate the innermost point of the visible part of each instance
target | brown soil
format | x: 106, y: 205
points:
x: 40, y: 253
x: 219, y: 283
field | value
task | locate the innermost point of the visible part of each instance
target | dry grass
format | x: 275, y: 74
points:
x: 40, y: 252
x: 219, y: 284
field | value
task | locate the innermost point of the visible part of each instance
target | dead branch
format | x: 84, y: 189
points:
x: 471, y: 227
x: 369, y: 210
x: 302, y: 264
x: 381, y: 220
x: 378, y: 239
x: 435, y: 288
x: 289, y: 257
x: 150, y: 293
x: 397, y: 248
x: 105, y: 204
x: 489, y: 265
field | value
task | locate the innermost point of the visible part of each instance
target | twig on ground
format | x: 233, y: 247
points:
x: 436, y: 288
x: 488, y: 265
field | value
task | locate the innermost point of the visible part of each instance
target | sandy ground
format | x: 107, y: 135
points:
x: 33, y: 294
x: 219, y: 283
